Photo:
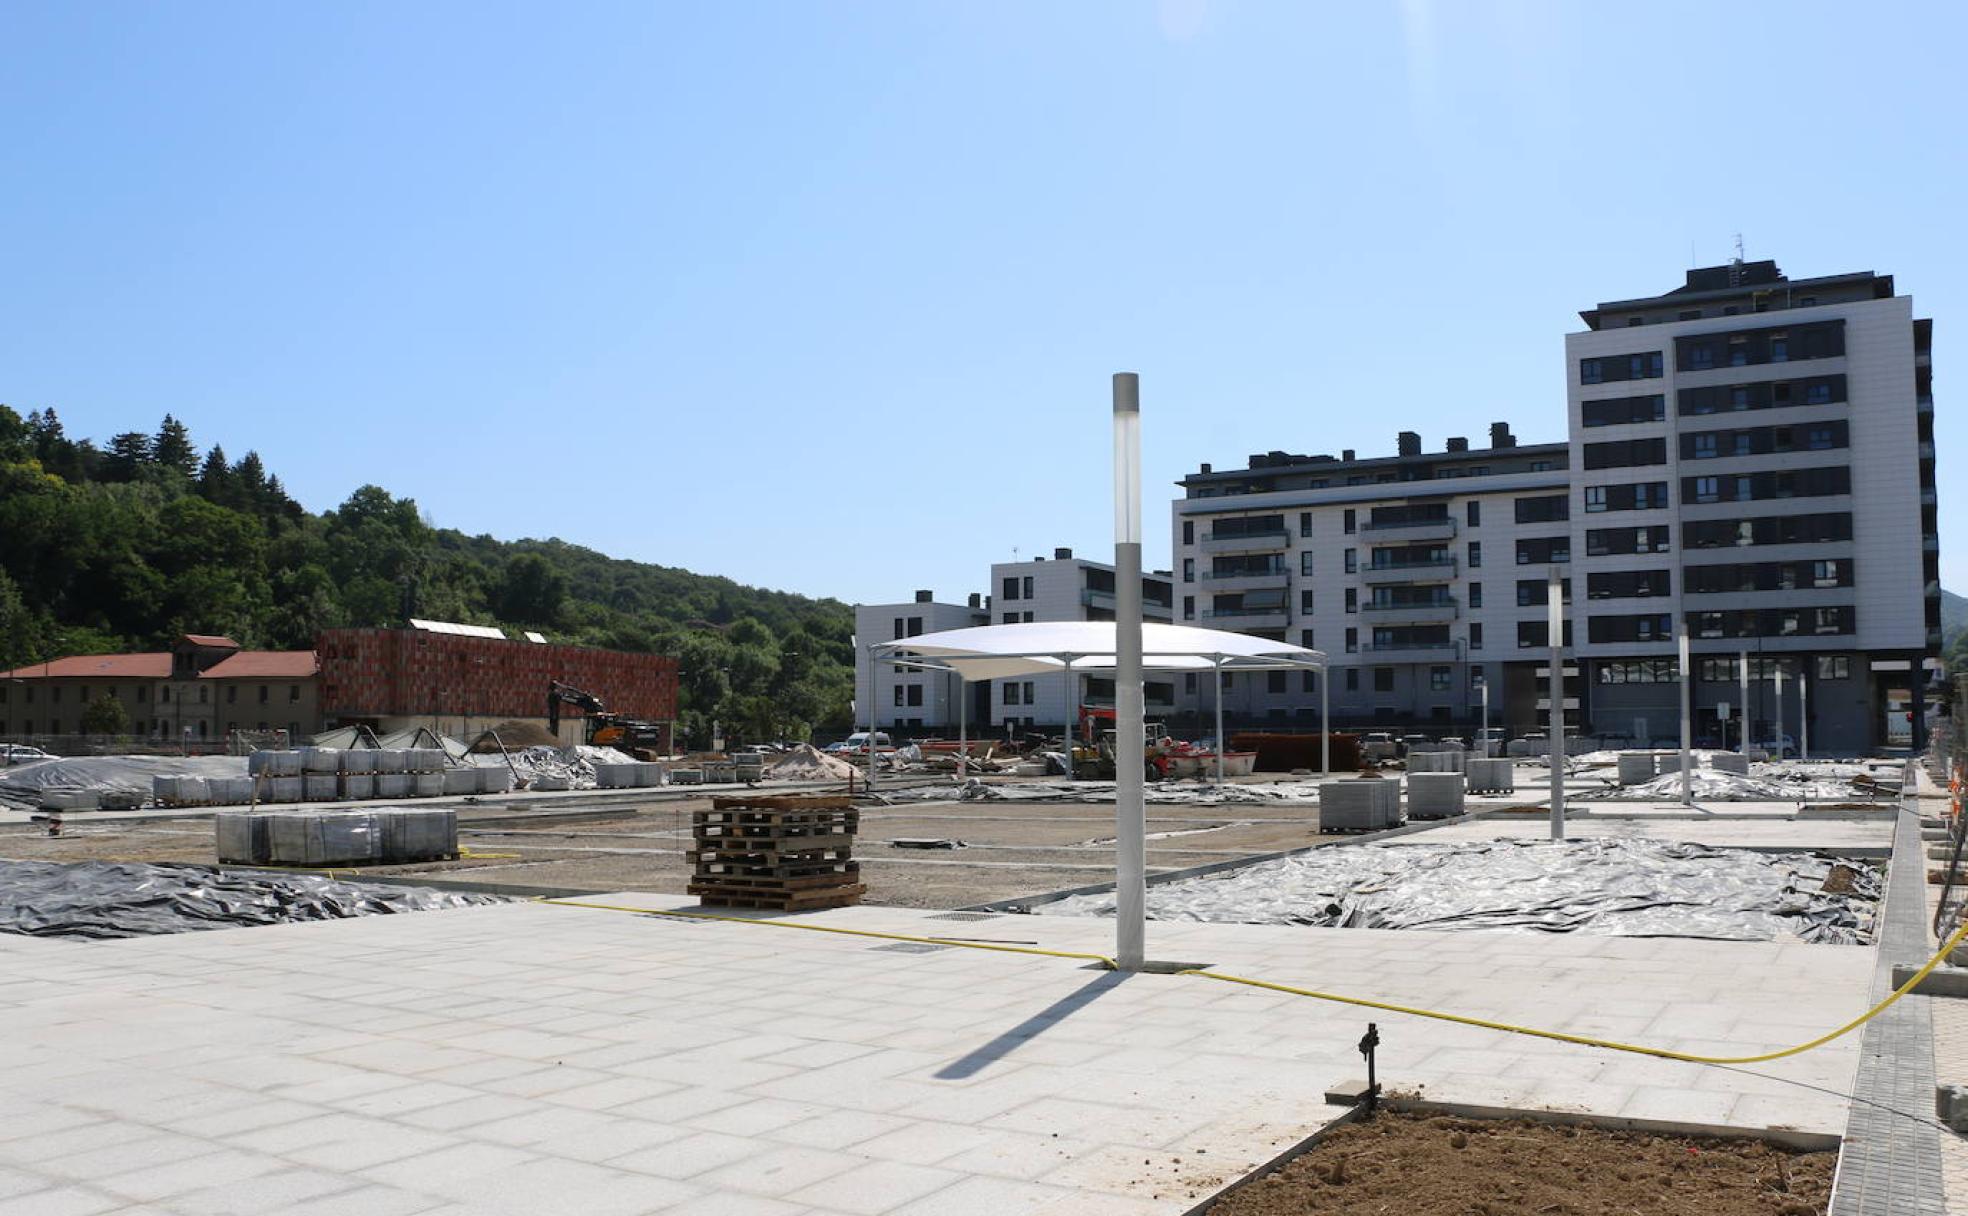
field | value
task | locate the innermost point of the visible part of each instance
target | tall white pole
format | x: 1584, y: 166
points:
x: 1483, y: 737
x: 1776, y: 675
x: 1742, y: 675
x: 1072, y: 718
x: 1131, y: 825
x: 963, y: 725
x: 1555, y: 621
x: 1803, y: 710
x: 1687, y: 723
x: 874, y: 712
x: 1216, y: 674
x: 1325, y: 722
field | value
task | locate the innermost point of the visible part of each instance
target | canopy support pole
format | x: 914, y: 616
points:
x: 1072, y: 717
x: 963, y: 725
x: 1325, y: 725
x: 1555, y: 623
x: 1216, y: 674
x: 1687, y: 723
x: 1130, y: 762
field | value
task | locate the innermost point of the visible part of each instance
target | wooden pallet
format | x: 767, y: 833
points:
x: 767, y: 885
x: 773, y: 844
x: 774, y: 861
x: 788, y: 901
x: 782, y: 802
x: 818, y: 827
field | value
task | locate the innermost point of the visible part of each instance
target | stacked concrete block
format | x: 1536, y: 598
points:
x: 650, y: 774
x: 416, y: 835
x: 1729, y: 763
x: 551, y: 781
x: 321, y: 787
x: 1435, y: 795
x: 1636, y: 768
x: 615, y: 776
x: 720, y: 773
x: 393, y: 785
x: 686, y: 776
x: 748, y: 766
x: 1490, y: 776
x: 359, y: 760
x: 1359, y: 805
x: 495, y: 779
x: 284, y: 789
x: 389, y: 760
x: 427, y: 785
x: 423, y: 760
x: 1758, y: 755
x: 244, y: 838
x: 274, y: 764
x: 460, y: 781
x: 1669, y: 762
x: 70, y: 800
x: 320, y: 760
x: 230, y: 791
x: 358, y: 785
x: 1443, y: 761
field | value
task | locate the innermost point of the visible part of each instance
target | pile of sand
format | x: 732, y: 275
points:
x: 808, y: 763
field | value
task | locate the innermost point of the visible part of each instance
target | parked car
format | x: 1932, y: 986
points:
x: 1410, y: 742
x: 20, y: 753
x: 858, y: 741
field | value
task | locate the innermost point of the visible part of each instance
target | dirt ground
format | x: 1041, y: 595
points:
x: 1418, y: 1165
x: 1009, y: 849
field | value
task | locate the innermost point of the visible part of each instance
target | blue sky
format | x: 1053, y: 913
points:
x: 826, y: 296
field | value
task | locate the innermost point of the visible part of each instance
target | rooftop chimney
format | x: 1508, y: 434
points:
x: 1346, y: 453
x: 924, y: 597
x: 1206, y: 467
x: 1458, y: 443
x: 1063, y: 555
x: 976, y: 599
x: 1407, y: 443
x: 1500, y: 436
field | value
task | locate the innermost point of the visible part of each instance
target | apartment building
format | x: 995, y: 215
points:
x: 1747, y: 453
x: 903, y: 698
x: 1067, y: 588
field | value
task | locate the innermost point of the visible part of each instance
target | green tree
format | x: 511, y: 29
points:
x: 105, y: 716
x: 128, y: 456
x: 215, y: 479
x: 531, y: 591
x: 172, y: 447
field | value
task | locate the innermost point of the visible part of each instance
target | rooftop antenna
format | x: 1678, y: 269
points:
x: 1739, y: 246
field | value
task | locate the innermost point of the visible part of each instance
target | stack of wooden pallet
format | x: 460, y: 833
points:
x: 790, y: 854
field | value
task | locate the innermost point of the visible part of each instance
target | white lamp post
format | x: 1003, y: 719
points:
x: 1130, y: 826
x: 1555, y: 603
x: 1687, y: 723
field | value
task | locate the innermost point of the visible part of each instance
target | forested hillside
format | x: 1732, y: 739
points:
x: 127, y: 545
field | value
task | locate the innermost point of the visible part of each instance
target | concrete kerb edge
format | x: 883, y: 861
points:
x: 1025, y: 903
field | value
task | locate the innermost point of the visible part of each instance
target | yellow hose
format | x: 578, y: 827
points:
x: 1363, y: 1002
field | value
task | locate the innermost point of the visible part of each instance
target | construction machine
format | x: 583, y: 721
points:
x: 1097, y: 762
x: 633, y: 735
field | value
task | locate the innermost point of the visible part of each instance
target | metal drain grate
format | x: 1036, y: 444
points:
x: 963, y: 916
x: 911, y: 947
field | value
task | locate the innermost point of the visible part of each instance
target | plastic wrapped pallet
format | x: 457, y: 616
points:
x: 1368, y: 805
x: 323, y: 838
x: 322, y: 787
x: 460, y: 781
x: 274, y: 763
x: 686, y: 776
x: 1637, y: 768
x: 165, y: 789
x: 391, y: 760
x: 1670, y: 762
x: 320, y: 760
x: 614, y: 776
x: 423, y: 760
x: 194, y: 791
x: 551, y: 781
x: 720, y: 773
x: 651, y: 774
x: 751, y: 772
x: 1435, y: 795
x: 358, y: 785
x: 427, y: 785
x: 359, y: 760
x: 1435, y: 761
x: 1728, y: 763
x: 70, y: 799
x: 1490, y: 776
x: 243, y: 837
x: 285, y: 789
x: 409, y: 834
x: 748, y: 758
x: 392, y: 785
x: 495, y: 779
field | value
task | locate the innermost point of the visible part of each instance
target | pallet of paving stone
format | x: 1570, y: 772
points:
x: 780, y: 901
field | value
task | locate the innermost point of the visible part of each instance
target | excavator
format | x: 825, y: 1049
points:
x: 1096, y: 762
x: 604, y: 729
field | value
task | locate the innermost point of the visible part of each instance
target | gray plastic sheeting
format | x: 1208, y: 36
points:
x: 1177, y: 793
x: 119, y: 899
x: 1617, y: 888
x: 21, y: 786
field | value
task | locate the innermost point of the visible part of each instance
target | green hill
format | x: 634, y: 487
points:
x: 126, y: 546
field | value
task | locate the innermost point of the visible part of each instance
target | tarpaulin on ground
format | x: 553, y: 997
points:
x: 97, y: 899
x: 21, y: 786
x: 1617, y: 888
x: 1164, y: 793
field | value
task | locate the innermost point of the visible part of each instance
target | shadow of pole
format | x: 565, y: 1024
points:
x: 1045, y: 1019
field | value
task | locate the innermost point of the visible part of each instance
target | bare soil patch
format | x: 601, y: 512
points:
x: 1420, y: 1165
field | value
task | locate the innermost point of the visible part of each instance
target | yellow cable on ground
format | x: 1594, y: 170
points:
x: 783, y: 924
x: 1363, y: 1002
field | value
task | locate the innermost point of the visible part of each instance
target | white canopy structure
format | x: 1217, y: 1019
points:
x: 996, y: 652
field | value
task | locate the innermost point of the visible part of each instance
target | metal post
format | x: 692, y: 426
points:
x: 1216, y: 674
x: 1483, y: 736
x: 1325, y: 723
x: 874, y: 713
x: 1131, y: 825
x: 1804, y: 710
x: 1742, y: 675
x: 1555, y: 622
x: 1072, y: 718
x: 1776, y: 677
x: 963, y: 725
x: 1687, y: 723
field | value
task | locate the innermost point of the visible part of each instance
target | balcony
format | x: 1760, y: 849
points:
x: 1441, y: 570
x: 1412, y: 614
x: 1244, y: 542
x: 1404, y: 530
x: 1105, y: 599
x: 1254, y: 580
x: 1244, y: 619
x: 1412, y: 652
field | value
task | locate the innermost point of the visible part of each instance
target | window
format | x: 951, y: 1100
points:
x: 1543, y: 510
x: 1476, y: 635
x: 1646, y: 627
x: 915, y: 631
x: 915, y: 695
x: 1305, y: 639
x: 1305, y: 523
x: 1189, y: 683
x: 1305, y: 563
x: 1383, y: 679
x: 1532, y: 592
x: 1474, y: 512
x: 142, y: 693
x: 1818, y: 438
x: 1352, y: 599
x: 1305, y: 603
x: 1188, y: 569
x: 900, y: 698
x: 1352, y: 560
x: 1595, y: 498
x: 1010, y: 592
x: 1619, y: 411
x: 1188, y: 607
x: 1707, y: 489
x: 1644, y: 366
x: 1352, y: 641
x: 1010, y: 618
x: 1308, y: 681
x: 1026, y: 587
x: 1274, y: 682
x: 232, y: 694
x: 1475, y: 554
x: 1638, y: 671
x: 1834, y: 667
x: 1690, y: 314
x: 1602, y: 541
x: 1623, y: 584
x: 1352, y: 678
x: 1625, y: 453
x: 1544, y: 550
x: 1028, y: 617
x: 1439, y: 678
x: 1188, y: 531
x: 1475, y: 595
x: 1703, y: 447
x: 1351, y: 520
